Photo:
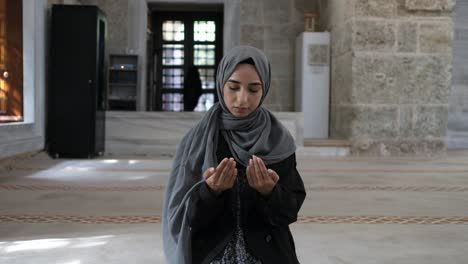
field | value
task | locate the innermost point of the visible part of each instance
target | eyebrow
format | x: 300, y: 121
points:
x: 250, y: 84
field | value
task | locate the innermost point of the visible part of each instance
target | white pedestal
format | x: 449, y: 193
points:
x: 313, y: 82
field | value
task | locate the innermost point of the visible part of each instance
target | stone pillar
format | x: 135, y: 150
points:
x: 391, y: 74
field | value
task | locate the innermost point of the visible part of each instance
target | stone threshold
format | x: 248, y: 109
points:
x: 325, y: 148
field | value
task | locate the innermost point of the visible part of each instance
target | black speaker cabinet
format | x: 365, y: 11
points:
x: 76, y: 82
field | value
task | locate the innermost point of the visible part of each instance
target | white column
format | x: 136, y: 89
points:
x: 137, y: 26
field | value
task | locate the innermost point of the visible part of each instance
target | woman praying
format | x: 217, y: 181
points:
x: 234, y: 188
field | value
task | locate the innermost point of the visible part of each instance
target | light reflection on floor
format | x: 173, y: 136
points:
x: 53, y: 243
x: 73, y: 262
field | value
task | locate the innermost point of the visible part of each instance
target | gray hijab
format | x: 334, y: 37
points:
x: 259, y: 134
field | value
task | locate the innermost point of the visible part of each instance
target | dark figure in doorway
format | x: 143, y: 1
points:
x: 192, y: 88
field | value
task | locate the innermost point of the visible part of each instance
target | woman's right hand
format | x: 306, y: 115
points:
x: 223, y: 177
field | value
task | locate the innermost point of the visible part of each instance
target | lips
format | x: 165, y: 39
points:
x: 241, y: 109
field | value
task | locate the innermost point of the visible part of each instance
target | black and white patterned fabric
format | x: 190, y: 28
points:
x: 236, y: 251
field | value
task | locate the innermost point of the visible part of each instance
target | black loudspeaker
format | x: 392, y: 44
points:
x: 76, y: 93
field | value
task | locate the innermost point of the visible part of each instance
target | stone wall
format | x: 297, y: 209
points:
x: 391, y: 74
x: 272, y: 26
x: 117, y: 23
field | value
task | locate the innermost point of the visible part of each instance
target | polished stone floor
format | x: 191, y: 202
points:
x: 358, y: 210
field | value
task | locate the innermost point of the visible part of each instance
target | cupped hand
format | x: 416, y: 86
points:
x: 259, y: 177
x: 223, y: 177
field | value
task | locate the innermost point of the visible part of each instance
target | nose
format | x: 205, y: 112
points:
x: 243, y: 96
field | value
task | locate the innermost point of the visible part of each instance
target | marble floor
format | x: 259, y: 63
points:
x: 358, y: 210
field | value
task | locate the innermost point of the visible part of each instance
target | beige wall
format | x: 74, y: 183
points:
x: 391, y: 74
x: 117, y: 23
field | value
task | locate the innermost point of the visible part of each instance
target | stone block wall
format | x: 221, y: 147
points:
x: 117, y: 23
x: 272, y: 26
x: 391, y: 74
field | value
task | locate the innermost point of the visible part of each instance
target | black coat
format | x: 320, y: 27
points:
x: 265, y: 221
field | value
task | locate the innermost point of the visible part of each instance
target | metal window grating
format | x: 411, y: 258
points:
x: 173, y: 78
x: 203, y: 54
x: 204, y: 31
x: 173, y: 102
x: 173, y: 30
x: 173, y: 54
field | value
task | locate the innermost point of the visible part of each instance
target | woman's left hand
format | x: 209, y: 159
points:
x: 259, y: 177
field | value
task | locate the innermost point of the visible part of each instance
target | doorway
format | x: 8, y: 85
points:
x: 186, y: 49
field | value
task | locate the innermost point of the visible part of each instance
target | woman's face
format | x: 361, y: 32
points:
x: 243, y: 90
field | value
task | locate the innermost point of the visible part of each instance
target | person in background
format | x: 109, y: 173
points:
x: 192, y: 88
